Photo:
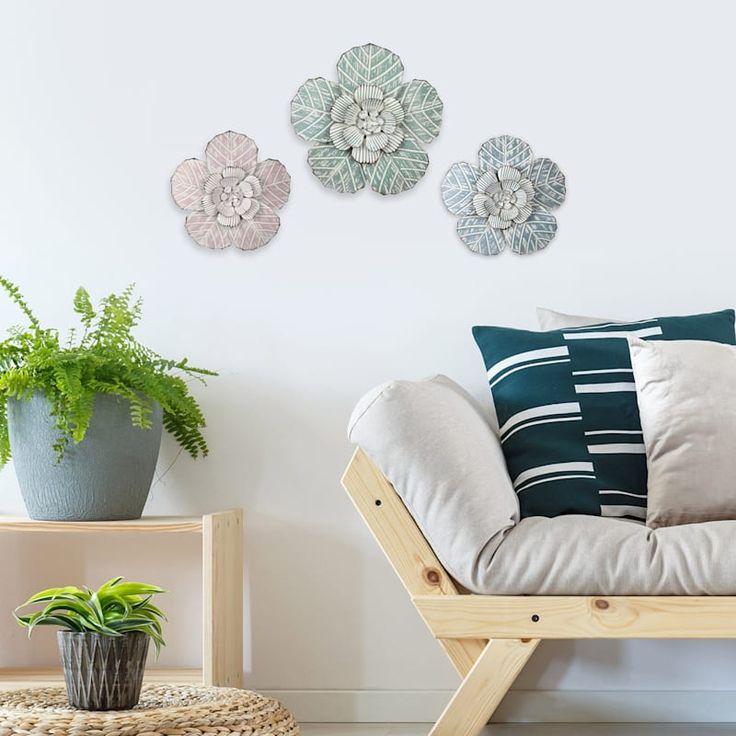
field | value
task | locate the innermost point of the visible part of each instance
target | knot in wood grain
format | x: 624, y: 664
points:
x: 432, y: 575
x: 601, y: 604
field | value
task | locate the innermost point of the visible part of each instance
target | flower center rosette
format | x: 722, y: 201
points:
x: 367, y: 123
x: 506, y: 199
x: 368, y: 127
x: 232, y: 196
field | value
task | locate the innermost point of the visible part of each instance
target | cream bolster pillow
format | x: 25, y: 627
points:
x: 550, y: 320
x: 431, y: 441
x: 686, y: 391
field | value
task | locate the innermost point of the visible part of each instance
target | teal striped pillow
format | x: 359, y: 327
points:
x: 567, y: 412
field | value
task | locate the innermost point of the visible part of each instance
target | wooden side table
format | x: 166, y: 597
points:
x: 222, y: 593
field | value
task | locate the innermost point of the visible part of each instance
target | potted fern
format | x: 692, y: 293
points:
x: 103, y: 639
x: 82, y: 418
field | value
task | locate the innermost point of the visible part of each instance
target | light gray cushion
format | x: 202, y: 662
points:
x: 594, y: 555
x: 434, y: 445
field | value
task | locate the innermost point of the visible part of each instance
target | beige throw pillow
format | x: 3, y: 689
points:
x: 686, y: 391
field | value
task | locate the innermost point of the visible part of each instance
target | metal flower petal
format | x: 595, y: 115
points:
x: 394, y: 141
x: 341, y: 107
x: 275, y: 183
x: 484, y: 206
x: 389, y: 122
x: 365, y: 92
x: 535, y: 233
x: 394, y: 108
x: 527, y: 187
x: 231, y: 149
x: 480, y: 238
x: 459, y: 187
x: 206, y: 231
x: 248, y: 208
x: 505, y: 150
x: 499, y: 223
x: 338, y: 136
x: 508, y: 173
x: 256, y: 231
x: 488, y: 182
x: 311, y: 109
x: 401, y: 170
x: 369, y: 64
x: 255, y: 180
x: 548, y: 183
x: 187, y: 183
x: 364, y: 155
x: 376, y: 141
x: 524, y: 211
x: 423, y: 108
x: 336, y: 169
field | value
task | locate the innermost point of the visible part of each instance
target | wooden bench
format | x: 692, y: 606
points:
x: 489, y: 639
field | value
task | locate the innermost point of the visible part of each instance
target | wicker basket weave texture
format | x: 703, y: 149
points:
x: 163, y: 710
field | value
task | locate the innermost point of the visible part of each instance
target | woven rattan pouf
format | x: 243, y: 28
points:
x: 164, y: 710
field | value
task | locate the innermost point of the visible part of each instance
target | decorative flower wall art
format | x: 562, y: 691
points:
x: 506, y: 199
x: 232, y: 197
x: 369, y: 127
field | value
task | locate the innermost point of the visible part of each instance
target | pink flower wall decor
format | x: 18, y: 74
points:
x: 232, y: 198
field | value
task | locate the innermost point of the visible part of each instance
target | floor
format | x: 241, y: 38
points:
x: 532, y: 729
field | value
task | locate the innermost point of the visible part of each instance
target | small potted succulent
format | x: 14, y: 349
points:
x: 103, y: 639
x: 83, y: 416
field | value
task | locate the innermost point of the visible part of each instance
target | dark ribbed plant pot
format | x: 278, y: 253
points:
x: 103, y: 672
x: 106, y: 477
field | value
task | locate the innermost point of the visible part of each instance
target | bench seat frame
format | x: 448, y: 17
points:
x: 490, y: 638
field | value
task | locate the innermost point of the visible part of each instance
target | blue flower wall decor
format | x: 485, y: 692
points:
x: 369, y: 127
x: 506, y: 199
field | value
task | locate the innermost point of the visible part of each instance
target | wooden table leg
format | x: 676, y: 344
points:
x: 222, y: 580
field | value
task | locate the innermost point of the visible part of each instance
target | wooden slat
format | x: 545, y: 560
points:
x: 145, y: 524
x: 482, y: 690
x: 579, y: 617
x: 405, y: 547
x: 13, y: 678
x: 222, y: 582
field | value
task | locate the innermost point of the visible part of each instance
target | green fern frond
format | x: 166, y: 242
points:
x: 14, y: 293
x: 83, y: 307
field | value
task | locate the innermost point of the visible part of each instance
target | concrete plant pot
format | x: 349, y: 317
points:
x: 103, y: 672
x: 106, y: 477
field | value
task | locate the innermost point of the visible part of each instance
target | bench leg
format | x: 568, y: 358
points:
x: 483, y: 688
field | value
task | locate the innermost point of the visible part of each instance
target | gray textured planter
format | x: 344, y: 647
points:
x: 103, y: 672
x: 105, y: 477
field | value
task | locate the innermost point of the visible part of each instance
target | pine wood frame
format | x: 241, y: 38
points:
x: 222, y: 593
x: 489, y: 639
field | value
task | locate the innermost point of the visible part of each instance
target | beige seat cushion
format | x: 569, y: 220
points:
x: 592, y: 555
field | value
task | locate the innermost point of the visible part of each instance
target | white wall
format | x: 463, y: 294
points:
x: 100, y: 102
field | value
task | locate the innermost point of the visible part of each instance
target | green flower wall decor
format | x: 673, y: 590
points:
x: 369, y: 126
